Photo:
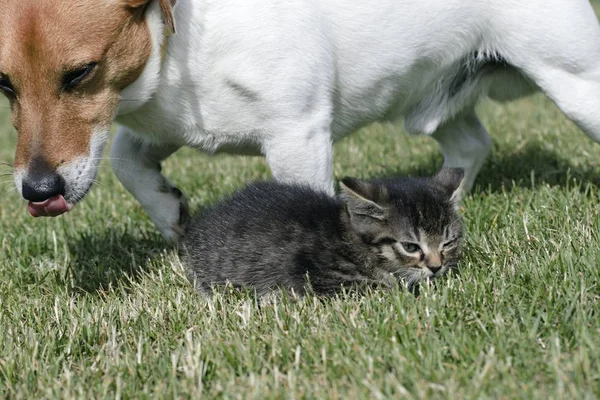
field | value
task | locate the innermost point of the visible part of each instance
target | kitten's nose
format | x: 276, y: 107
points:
x: 434, y: 269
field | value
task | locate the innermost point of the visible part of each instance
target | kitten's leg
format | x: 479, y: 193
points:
x: 465, y: 143
x: 136, y: 164
x: 303, y: 154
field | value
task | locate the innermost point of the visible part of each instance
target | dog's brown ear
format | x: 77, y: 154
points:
x: 167, y: 10
x: 136, y: 3
x: 166, y: 6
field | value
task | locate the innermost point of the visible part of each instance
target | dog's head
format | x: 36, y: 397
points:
x: 63, y: 66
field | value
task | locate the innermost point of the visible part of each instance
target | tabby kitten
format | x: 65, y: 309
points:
x: 272, y: 235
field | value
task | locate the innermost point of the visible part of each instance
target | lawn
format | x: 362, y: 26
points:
x: 94, y: 304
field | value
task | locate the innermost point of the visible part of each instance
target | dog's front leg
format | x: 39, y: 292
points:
x: 136, y: 163
x: 465, y: 143
x: 304, y: 155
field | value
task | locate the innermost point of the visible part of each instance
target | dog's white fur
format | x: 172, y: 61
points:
x: 286, y: 78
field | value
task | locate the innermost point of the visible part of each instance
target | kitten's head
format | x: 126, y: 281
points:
x: 411, y: 224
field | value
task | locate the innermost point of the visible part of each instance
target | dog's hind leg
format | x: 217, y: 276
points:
x: 465, y: 143
x: 577, y: 94
x: 137, y: 165
x: 562, y: 57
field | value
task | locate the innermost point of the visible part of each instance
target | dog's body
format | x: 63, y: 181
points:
x: 285, y: 78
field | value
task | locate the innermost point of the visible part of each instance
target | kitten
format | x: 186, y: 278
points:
x: 272, y: 235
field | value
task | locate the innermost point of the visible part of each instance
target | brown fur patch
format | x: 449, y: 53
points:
x: 166, y: 7
x: 43, y: 40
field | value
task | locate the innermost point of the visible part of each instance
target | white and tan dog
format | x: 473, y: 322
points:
x: 283, y: 78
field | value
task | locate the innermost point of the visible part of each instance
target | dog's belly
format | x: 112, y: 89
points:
x: 385, y: 70
x: 388, y: 98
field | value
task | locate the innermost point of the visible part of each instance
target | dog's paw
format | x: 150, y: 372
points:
x: 170, y: 212
x: 184, y: 213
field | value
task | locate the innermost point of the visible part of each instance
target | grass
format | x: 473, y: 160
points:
x: 94, y: 305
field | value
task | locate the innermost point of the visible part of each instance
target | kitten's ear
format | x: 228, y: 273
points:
x: 363, y: 198
x: 451, y: 181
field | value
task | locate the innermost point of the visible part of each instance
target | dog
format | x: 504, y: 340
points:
x: 281, y: 78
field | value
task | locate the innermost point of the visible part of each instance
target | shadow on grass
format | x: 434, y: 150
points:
x: 109, y: 259
x: 528, y: 167
x: 532, y: 166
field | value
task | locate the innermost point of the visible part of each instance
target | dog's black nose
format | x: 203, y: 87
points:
x: 434, y: 269
x: 38, y: 188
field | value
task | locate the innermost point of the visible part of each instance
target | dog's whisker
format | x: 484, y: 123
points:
x: 6, y: 192
x: 111, y: 167
x: 126, y: 172
x: 107, y: 158
x: 97, y: 182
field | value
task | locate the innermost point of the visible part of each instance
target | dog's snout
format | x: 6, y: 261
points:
x: 41, y: 187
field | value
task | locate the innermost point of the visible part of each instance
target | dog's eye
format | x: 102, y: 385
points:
x: 411, y: 247
x: 386, y: 241
x: 73, y: 78
x: 5, y: 86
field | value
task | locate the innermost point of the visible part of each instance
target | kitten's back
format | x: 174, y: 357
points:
x: 255, y: 237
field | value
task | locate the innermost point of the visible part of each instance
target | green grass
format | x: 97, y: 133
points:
x: 94, y: 305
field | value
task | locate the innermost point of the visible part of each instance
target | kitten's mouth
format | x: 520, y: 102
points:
x: 434, y: 275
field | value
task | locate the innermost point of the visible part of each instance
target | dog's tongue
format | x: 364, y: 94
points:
x: 52, y: 207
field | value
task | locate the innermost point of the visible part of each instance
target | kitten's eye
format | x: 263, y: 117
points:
x: 411, y: 247
x: 6, y: 86
x: 73, y: 78
x: 386, y: 241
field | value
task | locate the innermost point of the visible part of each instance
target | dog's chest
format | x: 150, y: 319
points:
x: 183, y: 124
